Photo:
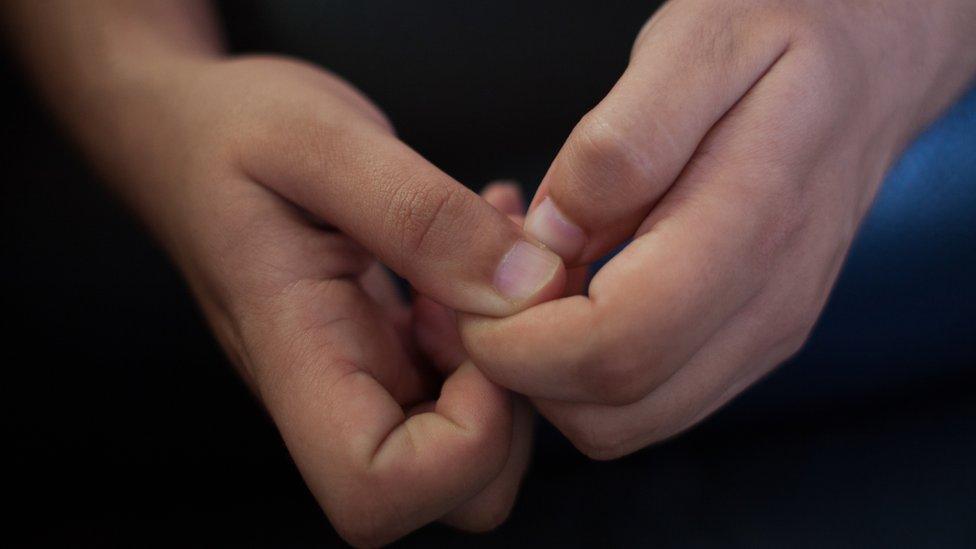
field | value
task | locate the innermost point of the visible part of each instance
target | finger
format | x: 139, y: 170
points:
x: 492, y: 506
x: 685, y: 73
x: 449, y: 243
x: 380, y: 286
x: 505, y: 196
x: 435, y: 329
x: 435, y: 326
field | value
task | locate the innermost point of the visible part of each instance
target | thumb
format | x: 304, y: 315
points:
x: 625, y: 153
x: 446, y: 241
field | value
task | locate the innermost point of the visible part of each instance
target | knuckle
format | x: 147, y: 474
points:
x: 423, y: 215
x: 722, y: 30
x: 607, y: 161
x: 721, y: 39
x: 767, y: 17
x: 800, y: 19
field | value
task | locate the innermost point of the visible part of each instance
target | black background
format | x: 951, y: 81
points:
x: 125, y: 425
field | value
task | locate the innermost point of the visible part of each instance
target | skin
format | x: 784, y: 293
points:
x: 277, y: 188
x: 740, y: 150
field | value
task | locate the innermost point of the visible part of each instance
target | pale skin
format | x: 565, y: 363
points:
x: 740, y: 151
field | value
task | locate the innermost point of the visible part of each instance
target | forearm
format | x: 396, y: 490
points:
x: 69, y: 46
x: 112, y: 72
x: 943, y: 62
x: 99, y: 64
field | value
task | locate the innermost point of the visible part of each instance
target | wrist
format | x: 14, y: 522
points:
x: 102, y: 65
x: 118, y: 113
x: 943, y: 62
x: 958, y: 47
x: 118, y: 93
x: 910, y: 62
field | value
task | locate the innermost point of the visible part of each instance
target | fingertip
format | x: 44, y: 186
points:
x: 550, y: 226
x: 529, y: 274
x: 505, y: 195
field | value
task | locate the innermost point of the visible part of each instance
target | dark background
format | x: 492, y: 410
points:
x: 126, y: 426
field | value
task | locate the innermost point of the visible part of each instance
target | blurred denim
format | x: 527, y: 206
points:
x: 904, y: 309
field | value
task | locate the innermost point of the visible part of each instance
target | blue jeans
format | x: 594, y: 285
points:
x: 903, y: 312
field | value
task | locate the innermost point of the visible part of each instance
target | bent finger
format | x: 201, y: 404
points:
x: 377, y: 472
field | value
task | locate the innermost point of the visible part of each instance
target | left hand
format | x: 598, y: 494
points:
x: 740, y: 150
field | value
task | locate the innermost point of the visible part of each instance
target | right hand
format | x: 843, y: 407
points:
x: 278, y: 188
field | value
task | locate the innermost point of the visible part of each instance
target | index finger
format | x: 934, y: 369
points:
x: 423, y: 224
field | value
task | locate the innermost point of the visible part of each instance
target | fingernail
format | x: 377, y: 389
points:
x: 555, y: 230
x: 525, y: 270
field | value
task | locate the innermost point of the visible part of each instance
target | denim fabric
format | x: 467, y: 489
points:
x: 904, y: 309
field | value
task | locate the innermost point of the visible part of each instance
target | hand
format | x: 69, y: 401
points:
x: 740, y: 150
x: 276, y: 186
